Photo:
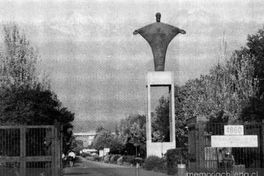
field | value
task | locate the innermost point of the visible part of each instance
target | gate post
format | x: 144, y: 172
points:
x: 22, y: 151
x: 57, y: 149
x: 55, y: 166
x: 261, y: 143
x: 53, y: 152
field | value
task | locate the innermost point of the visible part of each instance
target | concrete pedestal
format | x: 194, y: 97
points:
x: 156, y: 79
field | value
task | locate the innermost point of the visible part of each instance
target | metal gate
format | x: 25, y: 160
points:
x: 29, y: 151
x: 206, y: 158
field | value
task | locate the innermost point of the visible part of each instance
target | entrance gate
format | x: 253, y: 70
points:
x: 204, y: 157
x: 29, y: 151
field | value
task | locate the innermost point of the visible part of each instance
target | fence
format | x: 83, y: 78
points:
x: 206, y: 158
x: 29, y: 151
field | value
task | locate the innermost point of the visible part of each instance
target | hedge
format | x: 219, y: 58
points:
x: 155, y: 163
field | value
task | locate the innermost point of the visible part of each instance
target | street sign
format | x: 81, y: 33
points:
x: 233, y: 130
x: 234, y: 141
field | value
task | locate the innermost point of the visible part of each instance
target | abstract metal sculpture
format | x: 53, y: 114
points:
x: 159, y: 35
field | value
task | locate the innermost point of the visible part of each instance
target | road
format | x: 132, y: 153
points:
x: 92, y: 168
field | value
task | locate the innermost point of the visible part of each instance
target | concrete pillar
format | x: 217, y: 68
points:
x: 160, y: 79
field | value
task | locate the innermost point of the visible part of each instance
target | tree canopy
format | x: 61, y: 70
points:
x: 25, y: 97
x: 105, y: 139
x: 160, y: 121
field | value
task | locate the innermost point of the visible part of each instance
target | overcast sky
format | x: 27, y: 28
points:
x: 98, y: 68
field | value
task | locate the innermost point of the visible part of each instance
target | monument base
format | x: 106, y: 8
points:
x: 159, y: 148
x: 161, y: 79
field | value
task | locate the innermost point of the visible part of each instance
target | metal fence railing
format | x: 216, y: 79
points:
x: 206, y: 157
x: 28, y: 151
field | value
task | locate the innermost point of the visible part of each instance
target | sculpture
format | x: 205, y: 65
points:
x: 159, y: 35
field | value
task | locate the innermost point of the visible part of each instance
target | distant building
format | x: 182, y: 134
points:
x: 86, y: 137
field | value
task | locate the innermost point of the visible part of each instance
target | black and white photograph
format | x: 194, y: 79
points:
x: 131, y: 88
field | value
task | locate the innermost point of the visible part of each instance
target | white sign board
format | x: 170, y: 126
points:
x: 234, y: 141
x: 234, y: 130
x: 106, y: 150
x: 101, y: 153
x: 160, y: 78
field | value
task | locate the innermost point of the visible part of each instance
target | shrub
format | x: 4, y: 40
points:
x: 78, y: 159
x: 114, y: 158
x: 107, y: 158
x: 155, y: 163
x: 174, y: 157
x: 120, y: 160
x: 96, y: 158
x: 111, y: 160
x: 89, y: 158
x: 85, y: 154
x: 129, y: 159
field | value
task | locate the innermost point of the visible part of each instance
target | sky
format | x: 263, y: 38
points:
x: 98, y: 67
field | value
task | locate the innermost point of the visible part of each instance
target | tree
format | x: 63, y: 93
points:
x: 18, y: 61
x: 181, y: 132
x: 133, y: 132
x: 160, y: 123
x: 32, y: 107
x: 25, y: 98
x: 254, y: 50
x: 99, y: 129
x: 117, y: 145
x: 254, y: 111
x: 105, y: 139
x: 227, y: 88
x: 77, y: 145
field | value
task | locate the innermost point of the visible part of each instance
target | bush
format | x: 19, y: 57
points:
x: 171, y: 161
x: 155, y: 163
x: 107, y: 158
x: 114, y: 158
x: 120, y: 160
x: 174, y: 157
x: 78, y: 159
x: 111, y: 160
x: 96, y: 158
x: 85, y: 154
x: 89, y: 158
x: 129, y: 159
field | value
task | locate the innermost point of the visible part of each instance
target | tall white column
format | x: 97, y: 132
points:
x: 160, y: 79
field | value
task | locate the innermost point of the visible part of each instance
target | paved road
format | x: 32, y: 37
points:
x: 91, y: 168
